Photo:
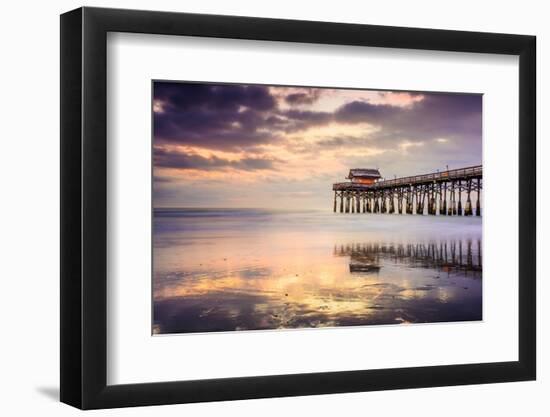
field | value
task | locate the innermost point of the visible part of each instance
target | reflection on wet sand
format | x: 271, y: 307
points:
x: 444, y: 256
x: 234, y: 278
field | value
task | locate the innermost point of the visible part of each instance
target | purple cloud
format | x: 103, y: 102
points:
x: 437, y: 115
x: 183, y: 160
x: 213, y: 116
x: 308, y: 96
x: 245, y: 117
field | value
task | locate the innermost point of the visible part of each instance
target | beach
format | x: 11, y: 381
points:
x: 255, y: 269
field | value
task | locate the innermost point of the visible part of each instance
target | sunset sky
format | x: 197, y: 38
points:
x: 219, y: 145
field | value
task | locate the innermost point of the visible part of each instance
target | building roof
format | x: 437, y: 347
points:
x: 363, y: 173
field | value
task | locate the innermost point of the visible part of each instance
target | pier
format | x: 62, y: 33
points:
x: 438, y: 193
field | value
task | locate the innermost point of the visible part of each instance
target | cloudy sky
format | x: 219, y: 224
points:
x: 219, y: 145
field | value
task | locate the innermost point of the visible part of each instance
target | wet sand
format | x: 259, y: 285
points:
x: 226, y: 270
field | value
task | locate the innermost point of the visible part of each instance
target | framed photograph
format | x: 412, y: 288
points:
x: 258, y: 208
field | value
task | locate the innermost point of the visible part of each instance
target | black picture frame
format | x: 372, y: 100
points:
x: 84, y: 207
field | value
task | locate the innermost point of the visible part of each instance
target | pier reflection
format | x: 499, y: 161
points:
x: 447, y: 256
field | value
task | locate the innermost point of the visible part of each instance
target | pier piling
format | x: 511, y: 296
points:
x: 460, y: 198
x: 478, y: 207
x: 468, y: 208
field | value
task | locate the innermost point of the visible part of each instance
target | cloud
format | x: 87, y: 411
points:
x: 242, y: 117
x: 404, y: 146
x: 400, y: 98
x: 183, y: 160
x: 184, y: 96
x: 438, y: 117
x: 304, y: 97
x: 363, y: 111
x: 212, y: 116
x: 162, y: 180
x: 433, y: 116
x: 299, y: 120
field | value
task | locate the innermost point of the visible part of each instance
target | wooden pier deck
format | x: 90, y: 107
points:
x: 435, y: 193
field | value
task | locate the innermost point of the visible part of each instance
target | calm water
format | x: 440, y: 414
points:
x: 222, y: 270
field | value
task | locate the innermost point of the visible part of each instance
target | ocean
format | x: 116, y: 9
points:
x: 254, y: 269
